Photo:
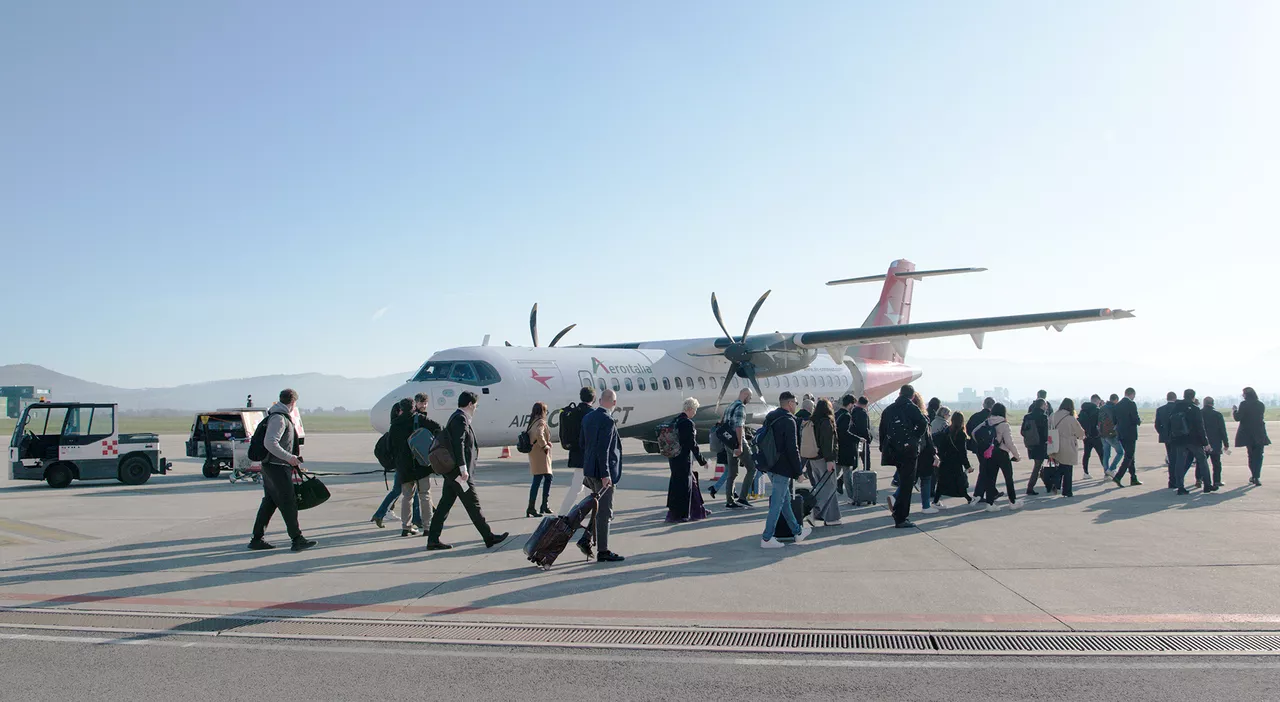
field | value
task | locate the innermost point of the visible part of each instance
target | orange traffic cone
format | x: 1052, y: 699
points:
x: 506, y: 452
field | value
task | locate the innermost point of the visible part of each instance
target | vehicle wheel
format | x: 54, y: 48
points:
x: 135, y: 470
x: 58, y: 475
x: 650, y: 447
x: 212, y: 468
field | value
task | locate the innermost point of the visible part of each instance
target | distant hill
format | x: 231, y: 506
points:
x: 316, y: 390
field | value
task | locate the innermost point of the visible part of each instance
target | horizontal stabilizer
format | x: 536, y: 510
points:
x: 913, y: 275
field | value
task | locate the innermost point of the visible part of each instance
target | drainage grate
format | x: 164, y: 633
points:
x: 665, y: 638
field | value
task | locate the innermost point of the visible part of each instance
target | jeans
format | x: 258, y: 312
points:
x: 545, y: 481
x: 1255, y: 461
x: 1180, y: 457
x: 780, y: 506
x: 277, y: 494
x: 926, y: 491
x: 1110, y: 446
x: 392, y: 494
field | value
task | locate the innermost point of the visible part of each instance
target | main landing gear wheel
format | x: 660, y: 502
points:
x: 135, y: 470
x: 58, y: 475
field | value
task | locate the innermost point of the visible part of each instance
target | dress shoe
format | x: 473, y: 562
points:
x: 1117, y: 482
x: 1134, y: 481
x: 438, y: 546
x: 378, y: 521
x: 302, y: 544
x: 259, y: 545
x: 490, y: 543
x: 712, y: 490
x: 904, y: 524
x: 608, y: 557
x: 1183, y: 491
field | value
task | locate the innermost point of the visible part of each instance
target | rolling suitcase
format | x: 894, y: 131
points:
x: 864, y: 488
x: 783, y: 531
x: 552, y: 535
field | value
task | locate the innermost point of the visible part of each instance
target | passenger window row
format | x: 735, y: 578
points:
x: 705, y: 382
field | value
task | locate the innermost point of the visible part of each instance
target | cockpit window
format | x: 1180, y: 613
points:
x: 477, y: 373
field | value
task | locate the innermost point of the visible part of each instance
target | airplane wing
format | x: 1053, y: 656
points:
x: 974, y: 327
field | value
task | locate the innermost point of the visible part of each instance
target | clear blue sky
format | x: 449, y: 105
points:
x: 191, y: 191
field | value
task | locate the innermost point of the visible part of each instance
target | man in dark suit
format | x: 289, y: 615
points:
x: 1215, y: 430
x: 1162, y: 432
x: 601, y: 471
x: 1127, y: 423
x: 458, y: 484
x: 1089, y: 422
x: 1185, y: 432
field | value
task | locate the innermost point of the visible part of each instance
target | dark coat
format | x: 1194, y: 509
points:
x: 1127, y: 419
x: 462, y: 440
x: 1162, y: 421
x: 1089, y: 420
x: 413, y: 470
x: 1215, y: 430
x: 601, y: 447
x: 786, y: 438
x: 916, y: 423
x: 680, y: 488
x: 953, y: 458
x: 1039, y: 450
x: 1253, y: 426
x: 398, y: 439
x: 1195, y: 423
x: 825, y: 432
x: 575, y: 453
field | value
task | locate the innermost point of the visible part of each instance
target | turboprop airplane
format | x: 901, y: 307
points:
x: 652, y: 377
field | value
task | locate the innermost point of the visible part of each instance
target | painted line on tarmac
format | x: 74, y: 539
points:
x: 862, y: 618
x: 780, y: 660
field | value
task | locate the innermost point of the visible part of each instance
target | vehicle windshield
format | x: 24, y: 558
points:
x: 477, y: 373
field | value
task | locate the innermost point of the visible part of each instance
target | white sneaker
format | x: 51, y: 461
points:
x: 804, y: 534
x: 931, y: 510
x: 835, y: 523
x: 1016, y: 505
x: 942, y: 505
x: 771, y: 543
x: 979, y: 504
x: 993, y: 508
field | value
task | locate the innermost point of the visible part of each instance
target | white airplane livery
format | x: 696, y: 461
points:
x: 652, y: 377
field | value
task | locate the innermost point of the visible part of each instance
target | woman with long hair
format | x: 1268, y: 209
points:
x: 1068, y: 436
x: 539, y: 458
x: 1252, y: 433
x: 927, y: 459
x: 999, y: 454
x: 819, y: 446
x: 953, y: 461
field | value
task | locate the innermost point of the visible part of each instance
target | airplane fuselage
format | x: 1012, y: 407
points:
x: 651, y: 380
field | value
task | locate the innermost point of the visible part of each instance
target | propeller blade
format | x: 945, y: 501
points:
x: 706, y: 355
x: 752, y: 317
x: 733, y: 369
x: 561, y: 334
x: 750, y: 370
x: 715, y: 309
x: 508, y: 343
x: 533, y: 324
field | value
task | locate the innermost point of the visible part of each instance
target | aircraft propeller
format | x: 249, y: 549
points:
x: 533, y: 329
x: 737, y: 352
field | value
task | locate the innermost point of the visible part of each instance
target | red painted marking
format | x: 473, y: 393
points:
x: 772, y: 617
x: 541, y: 378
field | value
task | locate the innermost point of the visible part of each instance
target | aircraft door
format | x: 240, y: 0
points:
x: 585, y: 379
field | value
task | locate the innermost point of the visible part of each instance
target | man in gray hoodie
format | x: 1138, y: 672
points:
x: 281, y: 442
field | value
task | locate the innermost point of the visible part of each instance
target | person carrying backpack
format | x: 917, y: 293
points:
x: 571, y: 441
x: 1110, y: 437
x: 1089, y: 423
x: 412, y: 476
x: 1035, y: 434
x: 732, y: 436
x: 1185, y: 432
x: 388, y: 463
x: 999, y: 452
x: 539, y: 438
x: 780, y: 447
x: 902, y: 428
x: 280, y: 438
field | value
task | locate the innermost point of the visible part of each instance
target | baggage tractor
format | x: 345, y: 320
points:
x: 864, y: 487
x: 549, y: 540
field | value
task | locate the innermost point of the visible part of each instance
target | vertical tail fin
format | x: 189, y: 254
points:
x: 893, y: 309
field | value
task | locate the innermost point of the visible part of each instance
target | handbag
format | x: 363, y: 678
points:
x: 310, y: 492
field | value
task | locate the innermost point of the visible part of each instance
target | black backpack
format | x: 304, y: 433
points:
x: 899, y: 435
x: 258, y: 444
x: 984, y: 437
x: 523, y: 443
x: 382, y: 452
x: 1179, y: 426
x: 571, y: 425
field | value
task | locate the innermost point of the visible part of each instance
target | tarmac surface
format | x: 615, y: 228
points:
x: 192, y: 669
x: 1132, y: 558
